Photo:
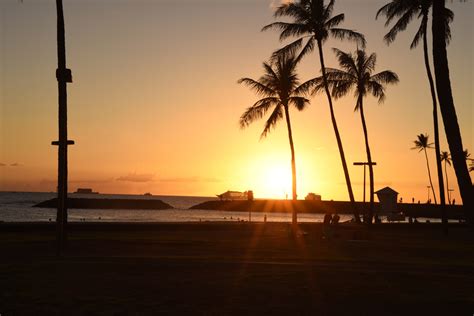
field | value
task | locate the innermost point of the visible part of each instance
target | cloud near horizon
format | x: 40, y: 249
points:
x: 16, y: 164
x: 189, y: 179
x: 134, y: 177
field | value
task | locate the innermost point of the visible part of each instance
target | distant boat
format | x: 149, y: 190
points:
x: 85, y: 191
x: 148, y: 194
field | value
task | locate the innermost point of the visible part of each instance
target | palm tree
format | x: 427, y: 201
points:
x: 279, y: 87
x: 440, y: 30
x: 446, y: 157
x: 405, y: 11
x: 422, y: 143
x: 314, y: 23
x: 357, y: 74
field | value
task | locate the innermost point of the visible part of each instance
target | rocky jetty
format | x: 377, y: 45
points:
x: 127, y: 204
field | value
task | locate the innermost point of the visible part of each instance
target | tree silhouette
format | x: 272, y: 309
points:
x: 313, y: 24
x: 440, y: 30
x: 421, y: 144
x: 279, y: 87
x: 405, y: 11
x: 446, y: 157
x: 356, y: 74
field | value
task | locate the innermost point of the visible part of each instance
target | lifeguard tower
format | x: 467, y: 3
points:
x: 388, y: 204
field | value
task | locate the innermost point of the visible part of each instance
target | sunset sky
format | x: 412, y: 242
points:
x: 155, y: 104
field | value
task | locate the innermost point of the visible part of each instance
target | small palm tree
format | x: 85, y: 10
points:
x: 421, y: 144
x: 356, y: 73
x: 446, y: 158
x: 314, y: 23
x: 279, y: 87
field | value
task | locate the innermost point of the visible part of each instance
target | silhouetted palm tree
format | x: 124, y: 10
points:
x: 314, y: 23
x: 279, y: 87
x: 446, y: 157
x: 356, y: 73
x: 405, y: 11
x: 422, y: 143
x: 440, y: 30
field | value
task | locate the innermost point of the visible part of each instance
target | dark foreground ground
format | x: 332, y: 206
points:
x: 236, y: 269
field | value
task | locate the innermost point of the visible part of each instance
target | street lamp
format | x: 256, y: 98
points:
x: 365, y: 164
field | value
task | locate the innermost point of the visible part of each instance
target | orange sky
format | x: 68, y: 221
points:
x: 154, y: 106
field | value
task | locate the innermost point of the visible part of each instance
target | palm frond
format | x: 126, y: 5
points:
x: 299, y: 102
x: 334, y: 21
x: 385, y: 77
x: 287, y: 50
x: 420, y: 33
x: 257, y: 111
x: 343, y: 34
x: 276, y: 115
x: 399, y: 26
x: 258, y: 87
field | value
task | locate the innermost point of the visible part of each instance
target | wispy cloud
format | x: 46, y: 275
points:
x: 2, y: 164
x: 134, y: 177
x: 188, y: 179
x: 16, y: 164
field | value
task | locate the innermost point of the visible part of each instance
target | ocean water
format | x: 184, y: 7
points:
x: 18, y: 207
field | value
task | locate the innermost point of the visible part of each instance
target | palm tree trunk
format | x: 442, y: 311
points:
x: 447, y: 182
x: 338, y: 137
x: 369, y: 159
x: 294, y: 219
x: 429, y: 175
x: 62, y: 78
x: 435, y: 124
x: 448, y: 111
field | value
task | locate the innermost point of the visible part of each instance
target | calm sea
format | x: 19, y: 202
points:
x: 18, y: 207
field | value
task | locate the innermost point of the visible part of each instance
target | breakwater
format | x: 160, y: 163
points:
x: 127, y: 204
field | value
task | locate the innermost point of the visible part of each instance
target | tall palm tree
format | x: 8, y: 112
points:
x: 356, y: 73
x: 313, y: 24
x: 446, y: 157
x: 279, y: 89
x: 440, y: 30
x: 405, y: 11
x: 421, y: 144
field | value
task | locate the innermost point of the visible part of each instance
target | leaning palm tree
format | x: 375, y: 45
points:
x: 356, y: 74
x: 421, y: 144
x: 405, y: 11
x: 446, y: 158
x: 279, y: 87
x: 313, y: 24
x: 448, y: 111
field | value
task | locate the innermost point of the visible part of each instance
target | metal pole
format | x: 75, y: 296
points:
x: 63, y: 76
x: 364, y: 181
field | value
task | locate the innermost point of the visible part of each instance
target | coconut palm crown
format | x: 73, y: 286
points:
x: 314, y: 22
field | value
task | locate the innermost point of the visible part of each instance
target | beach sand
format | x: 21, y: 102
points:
x: 236, y: 269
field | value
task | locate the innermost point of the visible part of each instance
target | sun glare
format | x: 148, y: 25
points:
x: 276, y: 181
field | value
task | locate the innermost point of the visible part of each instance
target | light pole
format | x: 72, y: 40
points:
x: 63, y: 76
x: 365, y: 164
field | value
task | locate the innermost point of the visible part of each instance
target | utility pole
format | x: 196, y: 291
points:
x: 63, y: 76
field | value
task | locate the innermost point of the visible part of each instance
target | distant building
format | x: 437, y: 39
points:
x: 313, y: 197
x: 85, y: 191
x: 236, y: 196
